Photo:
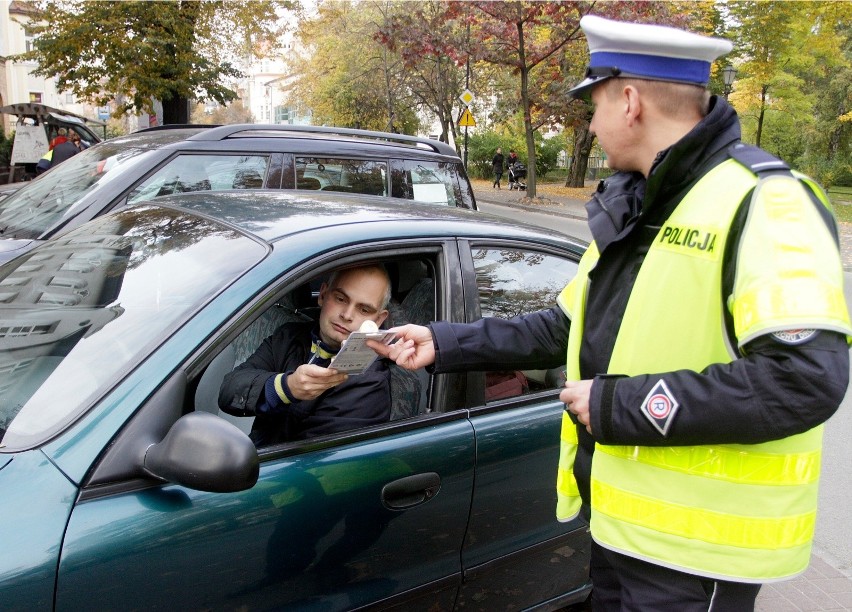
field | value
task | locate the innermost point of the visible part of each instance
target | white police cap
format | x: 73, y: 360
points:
x: 635, y: 50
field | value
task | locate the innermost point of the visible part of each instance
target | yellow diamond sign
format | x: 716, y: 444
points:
x: 466, y: 97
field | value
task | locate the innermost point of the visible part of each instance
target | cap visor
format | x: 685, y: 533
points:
x: 583, y: 89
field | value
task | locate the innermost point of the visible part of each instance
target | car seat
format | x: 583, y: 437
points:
x: 410, y: 388
x: 207, y: 394
x: 307, y: 182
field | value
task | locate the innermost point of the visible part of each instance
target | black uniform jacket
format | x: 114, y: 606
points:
x: 773, y: 391
x: 362, y: 400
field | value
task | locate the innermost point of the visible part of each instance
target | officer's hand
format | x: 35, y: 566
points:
x: 413, y: 349
x: 576, y: 397
x: 309, y: 381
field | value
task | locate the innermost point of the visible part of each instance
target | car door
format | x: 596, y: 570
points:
x: 513, y: 537
x: 376, y: 515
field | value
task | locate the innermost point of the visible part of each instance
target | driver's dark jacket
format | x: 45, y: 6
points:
x: 773, y: 391
x: 362, y: 400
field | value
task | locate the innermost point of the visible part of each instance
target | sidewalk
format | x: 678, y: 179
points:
x: 549, y: 202
x: 825, y: 585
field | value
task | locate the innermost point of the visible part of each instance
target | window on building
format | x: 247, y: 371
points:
x: 282, y: 114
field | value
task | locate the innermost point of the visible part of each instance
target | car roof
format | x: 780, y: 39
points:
x: 319, y: 140
x: 274, y: 215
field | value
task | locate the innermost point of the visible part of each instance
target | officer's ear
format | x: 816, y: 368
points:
x: 632, y: 102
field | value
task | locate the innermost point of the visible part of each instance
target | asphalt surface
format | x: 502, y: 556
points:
x: 827, y: 584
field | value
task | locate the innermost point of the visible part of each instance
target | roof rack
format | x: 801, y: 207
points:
x: 175, y: 126
x: 226, y: 131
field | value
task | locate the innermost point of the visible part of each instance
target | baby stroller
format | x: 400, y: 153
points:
x: 517, y: 174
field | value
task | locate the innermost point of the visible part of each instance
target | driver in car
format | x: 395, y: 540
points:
x: 287, y: 384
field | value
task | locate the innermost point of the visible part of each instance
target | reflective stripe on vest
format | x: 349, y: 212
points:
x: 740, y: 512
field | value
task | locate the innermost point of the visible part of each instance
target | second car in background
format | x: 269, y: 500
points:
x: 163, y: 161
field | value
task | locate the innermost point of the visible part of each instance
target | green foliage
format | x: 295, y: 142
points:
x: 346, y: 76
x: 6, y: 148
x: 133, y: 52
x: 547, y: 153
x: 794, y: 81
x: 483, y: 145
x: 481, y: 149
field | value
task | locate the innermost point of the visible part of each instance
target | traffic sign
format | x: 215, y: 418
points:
x: 466, y: 119
x: 466, y: 97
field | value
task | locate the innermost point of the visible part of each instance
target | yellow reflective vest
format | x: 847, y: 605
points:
x: 743, y: 512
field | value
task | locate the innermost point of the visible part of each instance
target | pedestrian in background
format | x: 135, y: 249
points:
x: 706, y: 333
x: 74, y: 137
x: 62, y: 152
x: 513, y: 158
x: 61, y: 136
x: 497, y: 167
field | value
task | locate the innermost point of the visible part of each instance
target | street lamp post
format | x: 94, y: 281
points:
x: 729, y: 73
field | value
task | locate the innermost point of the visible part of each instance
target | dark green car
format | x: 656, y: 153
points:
x: 125, y: 487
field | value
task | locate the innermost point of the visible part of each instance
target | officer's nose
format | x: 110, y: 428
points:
x: 347, y: 313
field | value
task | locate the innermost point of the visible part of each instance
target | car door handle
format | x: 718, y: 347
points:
x: 410, y: 491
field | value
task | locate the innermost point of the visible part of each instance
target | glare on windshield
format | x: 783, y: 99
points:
x: 40, y: 205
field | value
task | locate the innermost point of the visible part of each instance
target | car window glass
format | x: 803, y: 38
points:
x: 346, y: 175
x: 425, y: 181
x: 39, y: 205
x: 187, y: 173
x: 413, y: 301
x: 83, y: 308
x: 513, y: 282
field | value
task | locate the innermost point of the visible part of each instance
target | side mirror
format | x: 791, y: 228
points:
x: 203, y: 452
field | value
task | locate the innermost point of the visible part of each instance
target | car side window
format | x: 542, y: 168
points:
x: 425, y: 181
x: 203, y: 173
x: 513, y: 282
x: 345, y: 175
x: 412, y: 301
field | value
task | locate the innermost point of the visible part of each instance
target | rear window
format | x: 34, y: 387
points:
x: 81, y: 310
x: 431, y: 182
x: 344, y: 175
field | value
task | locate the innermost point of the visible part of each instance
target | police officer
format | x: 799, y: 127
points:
x: 706, y: 336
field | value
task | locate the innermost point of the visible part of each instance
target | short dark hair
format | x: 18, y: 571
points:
x: 380, y: 268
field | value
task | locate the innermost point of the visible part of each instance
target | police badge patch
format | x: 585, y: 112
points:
x: 660, y: 407
x: 794, y: 336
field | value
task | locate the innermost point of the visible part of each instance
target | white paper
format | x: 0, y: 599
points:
x: 355, y: 356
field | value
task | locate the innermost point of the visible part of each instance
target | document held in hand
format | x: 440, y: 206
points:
x: 355, y: 356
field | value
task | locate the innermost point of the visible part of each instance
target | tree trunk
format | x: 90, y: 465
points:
x: 762, y: 112
x: 176, y: 110
x: 525, y: 104
x: 583, y: 140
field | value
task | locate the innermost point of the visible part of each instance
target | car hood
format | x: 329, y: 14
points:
x: 12, y: 247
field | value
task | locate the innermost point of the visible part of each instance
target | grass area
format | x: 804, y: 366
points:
x: 843, y: 212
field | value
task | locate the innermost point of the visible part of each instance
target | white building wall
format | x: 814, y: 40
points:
x: 20, y: 84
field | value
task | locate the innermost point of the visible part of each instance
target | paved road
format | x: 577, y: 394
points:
x: 827, y: 585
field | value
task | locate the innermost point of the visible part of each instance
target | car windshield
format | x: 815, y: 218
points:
x: 83, y: 309
x: 40, y: 205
